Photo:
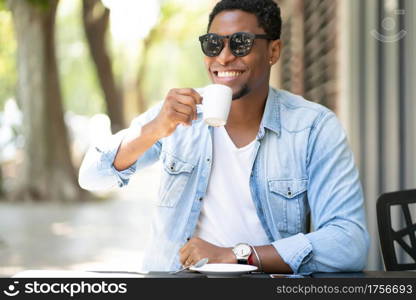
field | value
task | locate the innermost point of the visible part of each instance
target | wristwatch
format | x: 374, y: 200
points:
x: 242, y: 252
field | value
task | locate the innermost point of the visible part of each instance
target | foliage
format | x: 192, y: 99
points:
x: 43, y: 4
x: 173, y: 60
x: 175, y: 57
x: 8, y: 72
x: 80, y: 88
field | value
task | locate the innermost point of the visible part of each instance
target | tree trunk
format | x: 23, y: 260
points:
x: 47, y: 171
x: 96, y: 18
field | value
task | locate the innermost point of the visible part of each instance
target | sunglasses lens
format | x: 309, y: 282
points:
x: 241, y: 43
x: 211, y: 45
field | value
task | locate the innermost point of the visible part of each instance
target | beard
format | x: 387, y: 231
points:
x: 244, y: 91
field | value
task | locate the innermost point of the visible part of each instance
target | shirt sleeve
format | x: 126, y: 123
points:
x: 97, y: 171
x: 340, y: 241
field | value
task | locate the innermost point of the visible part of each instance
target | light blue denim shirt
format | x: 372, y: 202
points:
x: 301, y: 164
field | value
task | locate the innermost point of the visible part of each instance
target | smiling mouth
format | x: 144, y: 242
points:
x: 228, y: 74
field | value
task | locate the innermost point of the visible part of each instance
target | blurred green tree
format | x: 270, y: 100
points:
x: 171, y: 47
x: 168, y: 10
x: 7, y: 56
x: 96, y: 19
x: 80, y: 87
x: 47, y: 173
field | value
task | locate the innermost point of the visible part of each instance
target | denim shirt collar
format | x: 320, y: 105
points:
x: 271, y: 116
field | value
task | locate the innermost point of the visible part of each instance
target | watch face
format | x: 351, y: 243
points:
x: 243, y: 250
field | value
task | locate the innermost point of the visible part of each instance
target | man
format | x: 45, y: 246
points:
x: 242, y: 193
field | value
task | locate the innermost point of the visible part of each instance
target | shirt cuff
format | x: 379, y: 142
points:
x: 123, y: 176
x: 108, y: 151
x: 295, y: 250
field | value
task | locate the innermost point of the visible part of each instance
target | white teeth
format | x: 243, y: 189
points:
x: 229, y: 74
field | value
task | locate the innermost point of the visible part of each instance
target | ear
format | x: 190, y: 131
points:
x: 275, y: 48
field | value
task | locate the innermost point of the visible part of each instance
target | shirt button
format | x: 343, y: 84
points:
x: 200, y: 199
x: 208, y: 159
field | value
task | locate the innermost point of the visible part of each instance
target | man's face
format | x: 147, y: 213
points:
x: 245, y: 74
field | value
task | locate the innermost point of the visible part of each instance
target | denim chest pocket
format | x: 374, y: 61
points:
x: 175, y: 175
x: 288, y: 201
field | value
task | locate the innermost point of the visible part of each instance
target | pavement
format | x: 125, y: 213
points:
x: 104, y: 235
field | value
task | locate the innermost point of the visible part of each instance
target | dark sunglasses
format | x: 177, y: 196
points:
x: 240, y: 43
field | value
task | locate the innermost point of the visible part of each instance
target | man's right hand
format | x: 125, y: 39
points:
x: 179, y: 108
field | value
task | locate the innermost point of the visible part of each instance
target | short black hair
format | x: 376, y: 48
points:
x: 267, y: 13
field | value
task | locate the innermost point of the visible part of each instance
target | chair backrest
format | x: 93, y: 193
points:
x: 388, y: 236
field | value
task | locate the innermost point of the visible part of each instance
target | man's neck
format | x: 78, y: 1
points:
x: 247, y: 112
x: 245, y: 117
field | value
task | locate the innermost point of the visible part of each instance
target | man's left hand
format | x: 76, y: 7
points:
x: 196, y: 249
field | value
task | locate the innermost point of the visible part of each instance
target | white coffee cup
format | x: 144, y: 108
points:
x: 216, y: 104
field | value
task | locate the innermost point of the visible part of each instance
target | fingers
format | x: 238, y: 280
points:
x: 188, y: 262
x: 184, y: 256
x: 179, y: 108
x: 192, y: 93
x: 184, y: 101
x: 189, y: 258
x: 186, y: 107
x: 179, y: 118
x: 190, y: 253
x: 188, y: 97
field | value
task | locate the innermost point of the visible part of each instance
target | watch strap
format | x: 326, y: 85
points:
x: 250, y: 260
x: 242, y: 261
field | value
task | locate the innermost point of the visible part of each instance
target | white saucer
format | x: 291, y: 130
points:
x: 224, y: 270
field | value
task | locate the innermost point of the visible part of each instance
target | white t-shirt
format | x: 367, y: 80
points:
x: 228, y: 214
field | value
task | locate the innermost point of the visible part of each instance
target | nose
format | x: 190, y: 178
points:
x: 226, y: 56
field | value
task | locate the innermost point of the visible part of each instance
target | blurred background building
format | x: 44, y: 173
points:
x: 111, y: 60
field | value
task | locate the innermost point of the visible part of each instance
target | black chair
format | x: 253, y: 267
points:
x: 388, y: 235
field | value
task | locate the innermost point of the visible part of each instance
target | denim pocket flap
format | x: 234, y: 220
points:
x: 288, y: 188
x: 175, y: 166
